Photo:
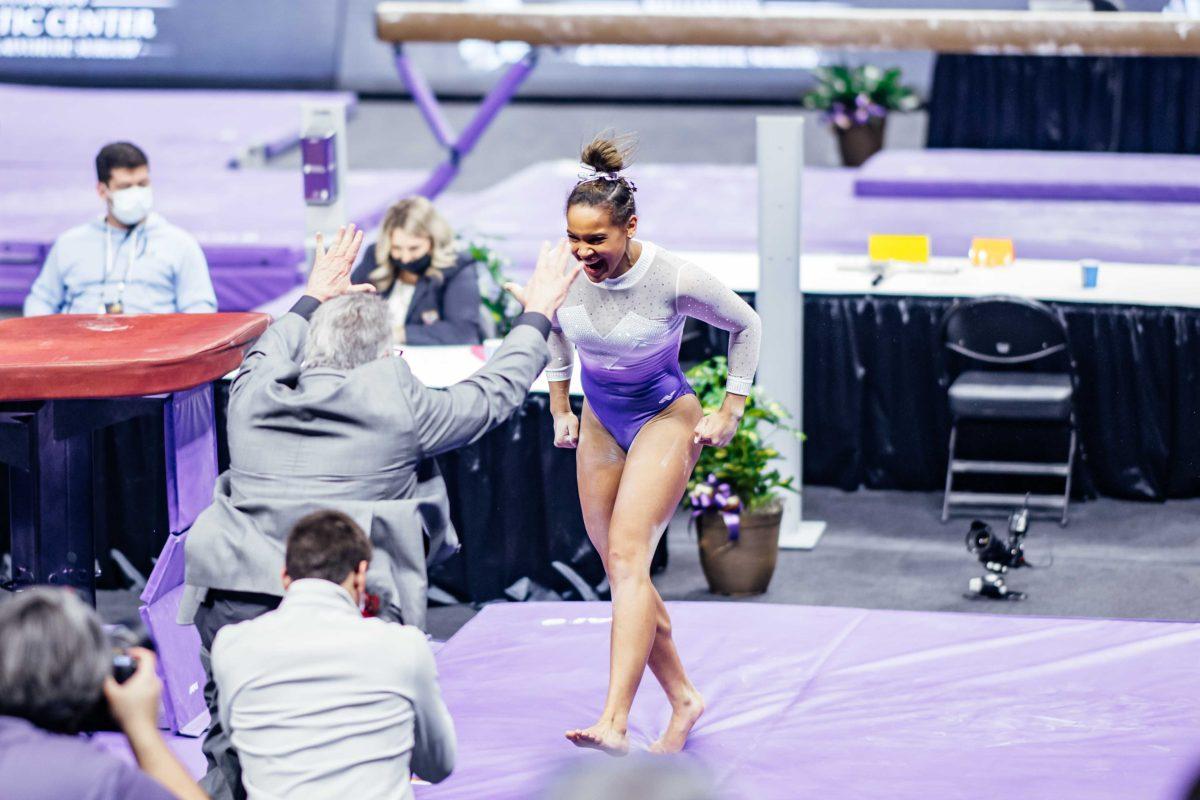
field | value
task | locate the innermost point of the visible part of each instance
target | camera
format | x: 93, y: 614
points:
x: 120, y: 639
x: 998, y: 556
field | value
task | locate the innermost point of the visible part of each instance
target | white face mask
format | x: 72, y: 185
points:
x: 131, y: 205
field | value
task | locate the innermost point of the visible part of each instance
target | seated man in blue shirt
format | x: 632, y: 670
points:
x: 131, y: 260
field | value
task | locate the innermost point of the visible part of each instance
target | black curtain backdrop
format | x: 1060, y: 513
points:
x: 515, y: 504
x: 875, y: 413
x: 1125, y: 104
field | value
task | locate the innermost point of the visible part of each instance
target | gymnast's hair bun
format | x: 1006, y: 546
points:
x: 600, y: 182
x: 608, y: 153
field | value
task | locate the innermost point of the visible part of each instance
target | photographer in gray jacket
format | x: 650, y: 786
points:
x: 322, y: 416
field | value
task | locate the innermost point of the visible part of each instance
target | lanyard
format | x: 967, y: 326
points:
x: 110, y: 258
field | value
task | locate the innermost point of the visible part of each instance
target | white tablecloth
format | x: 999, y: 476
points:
x: 1060, y: 281
x: 445, y: 365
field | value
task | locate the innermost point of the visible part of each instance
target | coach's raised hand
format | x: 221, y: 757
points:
x: 330, y: 274
x: 547, y: 288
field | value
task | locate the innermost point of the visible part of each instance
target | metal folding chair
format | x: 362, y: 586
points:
x: 1005, y: 359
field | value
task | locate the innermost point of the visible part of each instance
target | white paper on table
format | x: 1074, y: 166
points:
x: 442, y: 366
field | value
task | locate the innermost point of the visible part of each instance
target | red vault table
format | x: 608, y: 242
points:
x: 62, y: 377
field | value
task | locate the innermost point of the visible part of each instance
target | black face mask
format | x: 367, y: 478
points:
x: 416, y: 266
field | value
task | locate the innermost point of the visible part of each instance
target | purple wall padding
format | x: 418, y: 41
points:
x: 1031, y: 175
x: 842, y: 703
x: 250, y: 223
x: 52, y: 126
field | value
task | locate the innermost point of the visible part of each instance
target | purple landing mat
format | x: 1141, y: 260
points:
x: 189, y: 430
x: 1031, y: 175
x: 50, y: 126
x: 711, y: 207
x: 814, y: 702
x: 178, y: 646
x: 249, y: 222
x: 186, y: 749
x: 191, y: 459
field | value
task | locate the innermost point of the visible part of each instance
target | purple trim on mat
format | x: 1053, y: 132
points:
x: 15, y: 252
x: 1031, y: 175
x: 239, y: 287
x: 949, y: 189
x: 14, y: 284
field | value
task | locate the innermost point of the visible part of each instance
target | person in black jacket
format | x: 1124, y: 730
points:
x: 431, y: 289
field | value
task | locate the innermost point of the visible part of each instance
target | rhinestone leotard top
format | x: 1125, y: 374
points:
x: 622, y: 323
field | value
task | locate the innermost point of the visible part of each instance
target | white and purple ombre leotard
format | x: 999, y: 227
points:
x: 627, y: 331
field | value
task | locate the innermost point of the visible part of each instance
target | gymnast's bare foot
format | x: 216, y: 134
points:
x: 684, y: 714
x: 602, y: 736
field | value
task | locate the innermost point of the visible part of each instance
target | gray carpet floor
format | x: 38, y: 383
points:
x: 889, y: 550
x: 1119, y: 560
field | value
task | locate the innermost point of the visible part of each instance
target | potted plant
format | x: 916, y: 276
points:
x: 501, y: 308
x: 856, y: 102
x: 734, y: 494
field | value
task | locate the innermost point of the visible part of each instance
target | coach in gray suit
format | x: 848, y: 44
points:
x: 321, y: 416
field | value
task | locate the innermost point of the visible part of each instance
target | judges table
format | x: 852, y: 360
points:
x: 875, y: 414
x: 63, y: 377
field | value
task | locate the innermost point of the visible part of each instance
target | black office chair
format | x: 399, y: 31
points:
x: 1006, y: 359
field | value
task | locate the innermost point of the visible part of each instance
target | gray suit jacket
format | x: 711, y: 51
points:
x: 304, y: 440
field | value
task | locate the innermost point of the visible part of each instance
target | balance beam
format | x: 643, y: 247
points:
x: 979, y: 32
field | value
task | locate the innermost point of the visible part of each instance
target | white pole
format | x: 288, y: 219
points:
x: 780, y: 302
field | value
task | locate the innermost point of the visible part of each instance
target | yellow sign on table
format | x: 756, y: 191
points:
x: 909, y: 249
x: 991, y: 252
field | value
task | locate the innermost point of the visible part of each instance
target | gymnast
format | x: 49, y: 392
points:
x: 643, y: 427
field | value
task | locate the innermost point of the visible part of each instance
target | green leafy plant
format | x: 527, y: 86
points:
x: 852, y: 96
x: 745, y: 462
x: 500, y: 305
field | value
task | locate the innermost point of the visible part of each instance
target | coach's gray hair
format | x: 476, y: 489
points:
x: 54, y: 657
x: 347, y: 332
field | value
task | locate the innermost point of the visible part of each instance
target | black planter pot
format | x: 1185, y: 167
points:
x: 861, y: 141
